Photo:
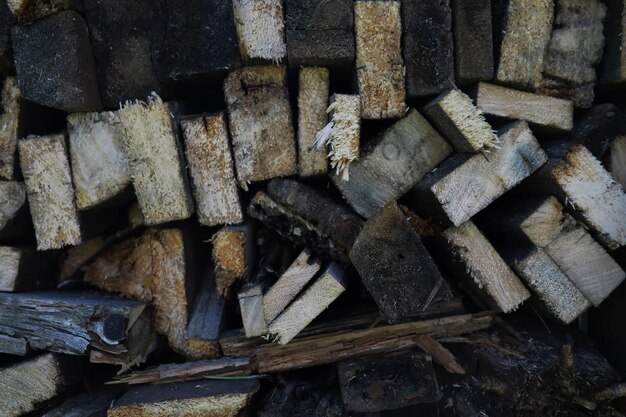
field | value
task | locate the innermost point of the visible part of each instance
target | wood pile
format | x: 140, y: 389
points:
x: 303, y: 207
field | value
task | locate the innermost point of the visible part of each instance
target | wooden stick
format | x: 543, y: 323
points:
x: 440, y: 354
x: 46, y: 171
x: 212, y: 171
x: 153, y: 149
x: 22, y: 269
x: 378, y: 30
x: 548, y: 113
x: 99, y: 166
x: 314, y: 84
x: 408, y: 150
x: 9, y: 127
x: 261, y: 30
x: 260, y: 123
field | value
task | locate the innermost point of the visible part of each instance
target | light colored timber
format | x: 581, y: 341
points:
x: 617, y: 161
x: 545, y: 112
x: 289, y: 285
x: 251, y: 307
x: 46, y: 171
x: 556, y: 293
x: 475, y: 259
x: 28, y: 384
x: 409, y: 149
x: 9, y: 127
x: 315, y: 299
x: 12, y: 199
x: 157, y: 170
x: 378, y: 31
x: 260, y: 123
x: 462, y: 186
x: 457, y: 118
x: 314, y: 84
x: 230, y: 251
x: 261, y: 30
x: 99, y: 166
x: 189, y: 399
x: 212, y: 170
x: 525, y: 35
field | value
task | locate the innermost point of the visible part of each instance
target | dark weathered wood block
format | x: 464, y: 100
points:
x: 94, y: 403
x: 613, y: 65
x: 598, y: 128
x: 395, y: 267
x: 205, y: 322
x: 473, y: 41
x: 54, y: 63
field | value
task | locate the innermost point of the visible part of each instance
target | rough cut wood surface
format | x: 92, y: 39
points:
x: 212, y: 170
x: 408, y: 150
x: 26, y: 385
x: 475, y: 259
x: 99, y: 166
x: 554, y: 290
x: 230, y: 260
x: 526, y: 30
x: 304, y: 309
x: 378, y: 32
x: 250, y: 299
x: 46, y: 169
x: 473, y: 40
x: 457, y: 118
x: 9, y: 127
x: 154, y: 153
x: 313, y: 90
x: 613, y: 67
x: 540, y: 111
x: 462, y: 186
x: 12, y: 199
x: 261, y: 30
x: 261, y: 125
x: 290, y: 284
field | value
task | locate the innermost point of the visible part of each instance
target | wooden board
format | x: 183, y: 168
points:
x: 205, y: 322
x: 408, y: 150
x: 23, y: 269
x: 378, y: 30
x: 462, y: 186
x: 304, y: 309
x: 46, y: 169
x: 395, y: 267
x: 157, y: 169
x: 548, y: 113
x: 526, y: 28
x: 473, y: 41
x: 261, y: 125
x: 99, y: 166
x: 261, y: 30
x: 313, y: 90
x: 613, y: 67
x: 9, y: 127
x: 470, y: 256
x: 250, y: 299
x: 212, y: 171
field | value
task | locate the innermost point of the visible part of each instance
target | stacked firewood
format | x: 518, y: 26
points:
x: 304, y: 207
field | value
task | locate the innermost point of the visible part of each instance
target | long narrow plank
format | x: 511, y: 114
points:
x: 314, y: 84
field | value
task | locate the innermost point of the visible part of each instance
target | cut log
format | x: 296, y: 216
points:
x: 378, y: 32
x: 470, y: 256
x: 579, y: 180
x: 206, y: 322
x: 207, y: 398
x: 212, y: 171
x: 233, y: 257
x: 93, y: 403
x: 427, y: 47
x: 453, y: 113
x: 462, y: 186
x: 473, y: 41
x: 9, y: 127
x: 308, y: 217
x: 99, y: 166
x: 73, y: 323
x: 290, y: 284
x: 314, y: 84
x: 343, y: 133
x: 395, y: 267
x: 12, y: 201
x: 152, y: 267
x: 302, y: 311
x: 613, y: 66
x: 574, y: 50
x: 27, y: 385
x: 121, y: 35
x: 365, y: 384
x: 154, y: 153
x: 408, y: 150
x: 24, y: 269
x: 260, y: 122
x: 598, y: 128
x: 525, y: 33
x: 28, y: 10
x: 261, y: 30
x: 555, y: 292
x: 618, y: 160
x: 548, y: 113
x: 46, y: 169
x: 199, y: 42
x: 70, y: 83
x: 318, y: 34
